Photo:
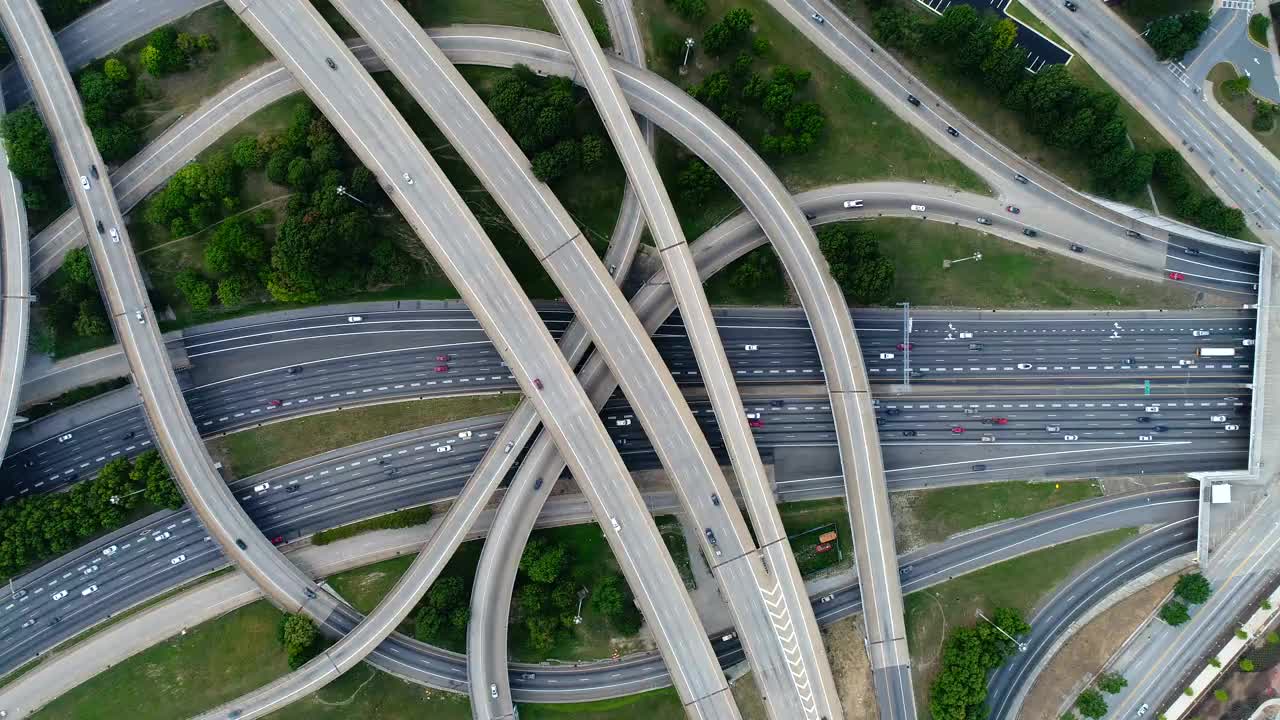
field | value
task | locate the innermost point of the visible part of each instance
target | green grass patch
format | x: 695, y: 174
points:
x: 1258, y: 28
x: 213, y: 663
x: 364, y: 587
x: 1243, y: 108
x: 928, y: 516
x: 253, y: 451
x: 805, y: 522
x: 673, y: 537
x: 1019, y: 583
x: 644, y: 706
x: 862, y: 140
x: 390, y: 521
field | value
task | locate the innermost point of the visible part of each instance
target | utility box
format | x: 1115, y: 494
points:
x: 1220, y: 493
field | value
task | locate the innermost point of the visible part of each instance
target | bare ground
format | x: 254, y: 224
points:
x: 850, y: 667
x: 1085, y: 653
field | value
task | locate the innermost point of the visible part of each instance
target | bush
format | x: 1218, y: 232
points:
x: 1090, y: 704
x: 1215, y: 662
x: 1242, y: 634
x: 1174, y: 613
x: 863, y: 274
x: 1273, y: 638
x: 390, y: 521
x: 689, y: 9
x: 959, y: 690
x: 1221, y: 695
x: 1193, y: 588
x: 1112, y: 683
x: 1258, y: 25
x: 1246, y: 665
x: 195, y: 289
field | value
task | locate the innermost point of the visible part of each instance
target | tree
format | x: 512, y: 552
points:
x: 758, y: 268
x: 542, y: 561
x: 29, y: 146
x: 1090, y: 704
x: 1221, y: 695
x: 301, y: 174
x: 689, y: 9
x: 1174, y: 613
x: 955, y: 26
x: 591, y: 152
x: 162, y: 55
x: 89, y: 320
x: 444, y: 609
x: 1112, y: 682
x: 1246, y: 665
x: 609, y: 596
x: 247, y: 153
x: 856, y: 263
x: 716, y: 38
x: 299, y: 637
x: 1193, y: 588
x: 232, y: 290
x: 150, y: 472
x: 195, y: 289
x: 79, y: 268
x: 1237, y: 86
x: 898, y: 28
x: 116, y: 71
x: 1173, y: 36
x: 696, y: 182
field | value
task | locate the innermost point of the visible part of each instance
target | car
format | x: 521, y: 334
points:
x: 55, y: 620
x: 917, y: 208
x: 537, y: 484
x: 508, y: 447
x: 1144, y: 438
x: 1247, y: 342
x: 952, y: 131
x: 493, y: 690
x: 275, y: 403
x: 818, y: 18
x: 355, y: 318
x: 984, y: 221
x: 391, y: 471
x: 1190, y: 251
x: 60, y: 594
x: 1133, y: 233
x: 988, y: 438
x: 110, y: 550
x: 1076, y: 248
x: 444, y: 448
x: 1052, y: 428
x: 293, y: 370
x: 1218, y: 418
x: 84, y: 182
x: 89, y: 590
x: 622, y: 422
x: 1177, y: 276
x: 1143, y: 710
x: 614, y: 522
x: 1021, y: 178
x: 292, y: 488
x: 1143, y: 419
x: 89, y: 570
x: 1070, y: 437
x: 906, y: 346
x: 101, y: 228
x: 137, y: 315
x: 893, y: 411
x: 913, y: 100
x: 756, y: 423
x: 1231, y: 427
x: 957, y: 430
x: 30, y: 622
x: 64, y: 438
x: 886, y: 356
x: 905, y: 571
x: 442, y: 358
x: 407, y: 178
x: 620, y: 441
x: 853, y: 203
x: 527, y: 676
x: 827, y: 598
x: 309, y: 593
x: 177, y: 559
x: 233, y: 715
x: 332, y: 65
x: 1000, y: 421
x: 975, y: 346
x: 807, y: 216
x: 978, y: 468
x: 1070, y: 5
x: 1199, y: 333
x: 442, y: 368
x: 93, y: 170
x: 711, y: 536
x: 1024, y: 366
x: 262, y: 487
x: 715, y: 499
x: 1151, y: 409
x: 537, y: 382
x: 1029, y: 232
x: 1013, y: 209
x: 880, y: 421
x: 115, y: 235
x: 908, y: 433
x: 776, y: 402
x: 240, y: 544
x: 966, y: 335
x: 277, y: 540
x: 158, y: 537
x: 752, y: 415
x: 1159, y: 428
x: 750, y: 348
x: 464, y: 434
x: 728, y: 636
x: 1129, y: 361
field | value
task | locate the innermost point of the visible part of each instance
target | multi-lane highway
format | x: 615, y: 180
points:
x: 15, y: 264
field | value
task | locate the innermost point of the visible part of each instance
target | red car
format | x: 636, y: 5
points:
x: 756, y: 423
x: 442, y: 358
x: 537, y: 382
x: 276, y: 403
x: 957, y: 430
x: 906, y: 346
x: 1000, y: 421
x: 277, y: 540
x: 1177, y: 276
x: 1012, y: 208
x: 442, y: 368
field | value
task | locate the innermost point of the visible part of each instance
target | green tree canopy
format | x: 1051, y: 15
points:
x: 1193, y: 588
x: 1174, y: 613
x: 1091, y: 704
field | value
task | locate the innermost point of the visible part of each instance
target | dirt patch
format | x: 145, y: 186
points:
x: 850, y: 667
x: 747, y: 696
x: 1088, y: 649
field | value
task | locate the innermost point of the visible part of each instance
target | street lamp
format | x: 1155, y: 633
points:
x: 115, y: 499
x: 342, y: 190
x: 688, y: 46
x: 948, y: 263
x: 1021, y: 645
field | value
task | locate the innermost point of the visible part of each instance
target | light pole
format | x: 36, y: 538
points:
x: 948, y: 263
x: 1021, y: 645
x: 342, y: 190
x: 906, y: 342
x: 688, y: 47
x: 115, y: 499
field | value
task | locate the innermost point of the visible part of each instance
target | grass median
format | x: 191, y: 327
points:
x: 258, y: 449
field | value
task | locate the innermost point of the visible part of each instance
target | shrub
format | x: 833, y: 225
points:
x: 1246, y: 665
x: 1221, y: 695
x: 1174, y: 613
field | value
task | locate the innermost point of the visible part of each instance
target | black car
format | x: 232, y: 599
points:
x: 1143, y: 419
x: 1021, y: 178
x: 294, y: 488
x: 908, y: 433
x: 293, y: 370
x: 810, y: 216
x: 93, y: 170
x: 775, y: 403
x: 391, y: 471
x: 101, y: 228
x: 711, y: 537
x: 332, y: 65
x: 1070, y: 5
x: 1029, y: 232
x: 978, y: 468
x: 1190, y: 251
x: 240, y: 544
x: 1159, y: 428
x: 1076, y: 248
x: 913, y: 100
x: 952, y: 131
x: 880, y: 421
x: 129, y: 435
x: 1133, y: 233
x: 715, y: 499
x: 537, y: 484
x: 893, y: 411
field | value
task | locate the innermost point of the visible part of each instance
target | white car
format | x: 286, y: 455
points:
x: 818, y: 18
x: 177, y: 559
x: 827, y: 598
x: 115, y: 235
x: 1184, y: 362
x: 616, y: 527
x: 162, y: 536
x: 886, y: 356
x: 90, y: 570
x: 262, y: 487
x: 355, y: 318
x: 60, y: 594
x: 509, y: 447
x: 1070, y: 437
x: 407, y: 178
x: 1144, y: 438
x: 753, y: 416
x: 622, y: 422
x: 1247, y: 342
x: 493, y: 690
x: 137, y: 315
x: 854, y: 204
x: 1051, y: 428
x: 109, y: 551
x: 750, y: 348
x: 464, y: 434
x: 1024, y: 366
x: 917, y: 208
x: 1143, y: 710
x: 89, y: 590
x: 444, y: 448
x: 1199, y: 333
x: 84, y: 182
x: 1218, y: 418
x: 988, y: 438
x: 1151, y: 409
x: 966, y: 336
x: 64, y: 438
x: 1231, y: 427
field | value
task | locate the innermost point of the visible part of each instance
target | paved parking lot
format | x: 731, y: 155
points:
x: 1041, y: 50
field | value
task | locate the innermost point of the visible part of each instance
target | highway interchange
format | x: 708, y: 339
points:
x: 1054, y: 358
